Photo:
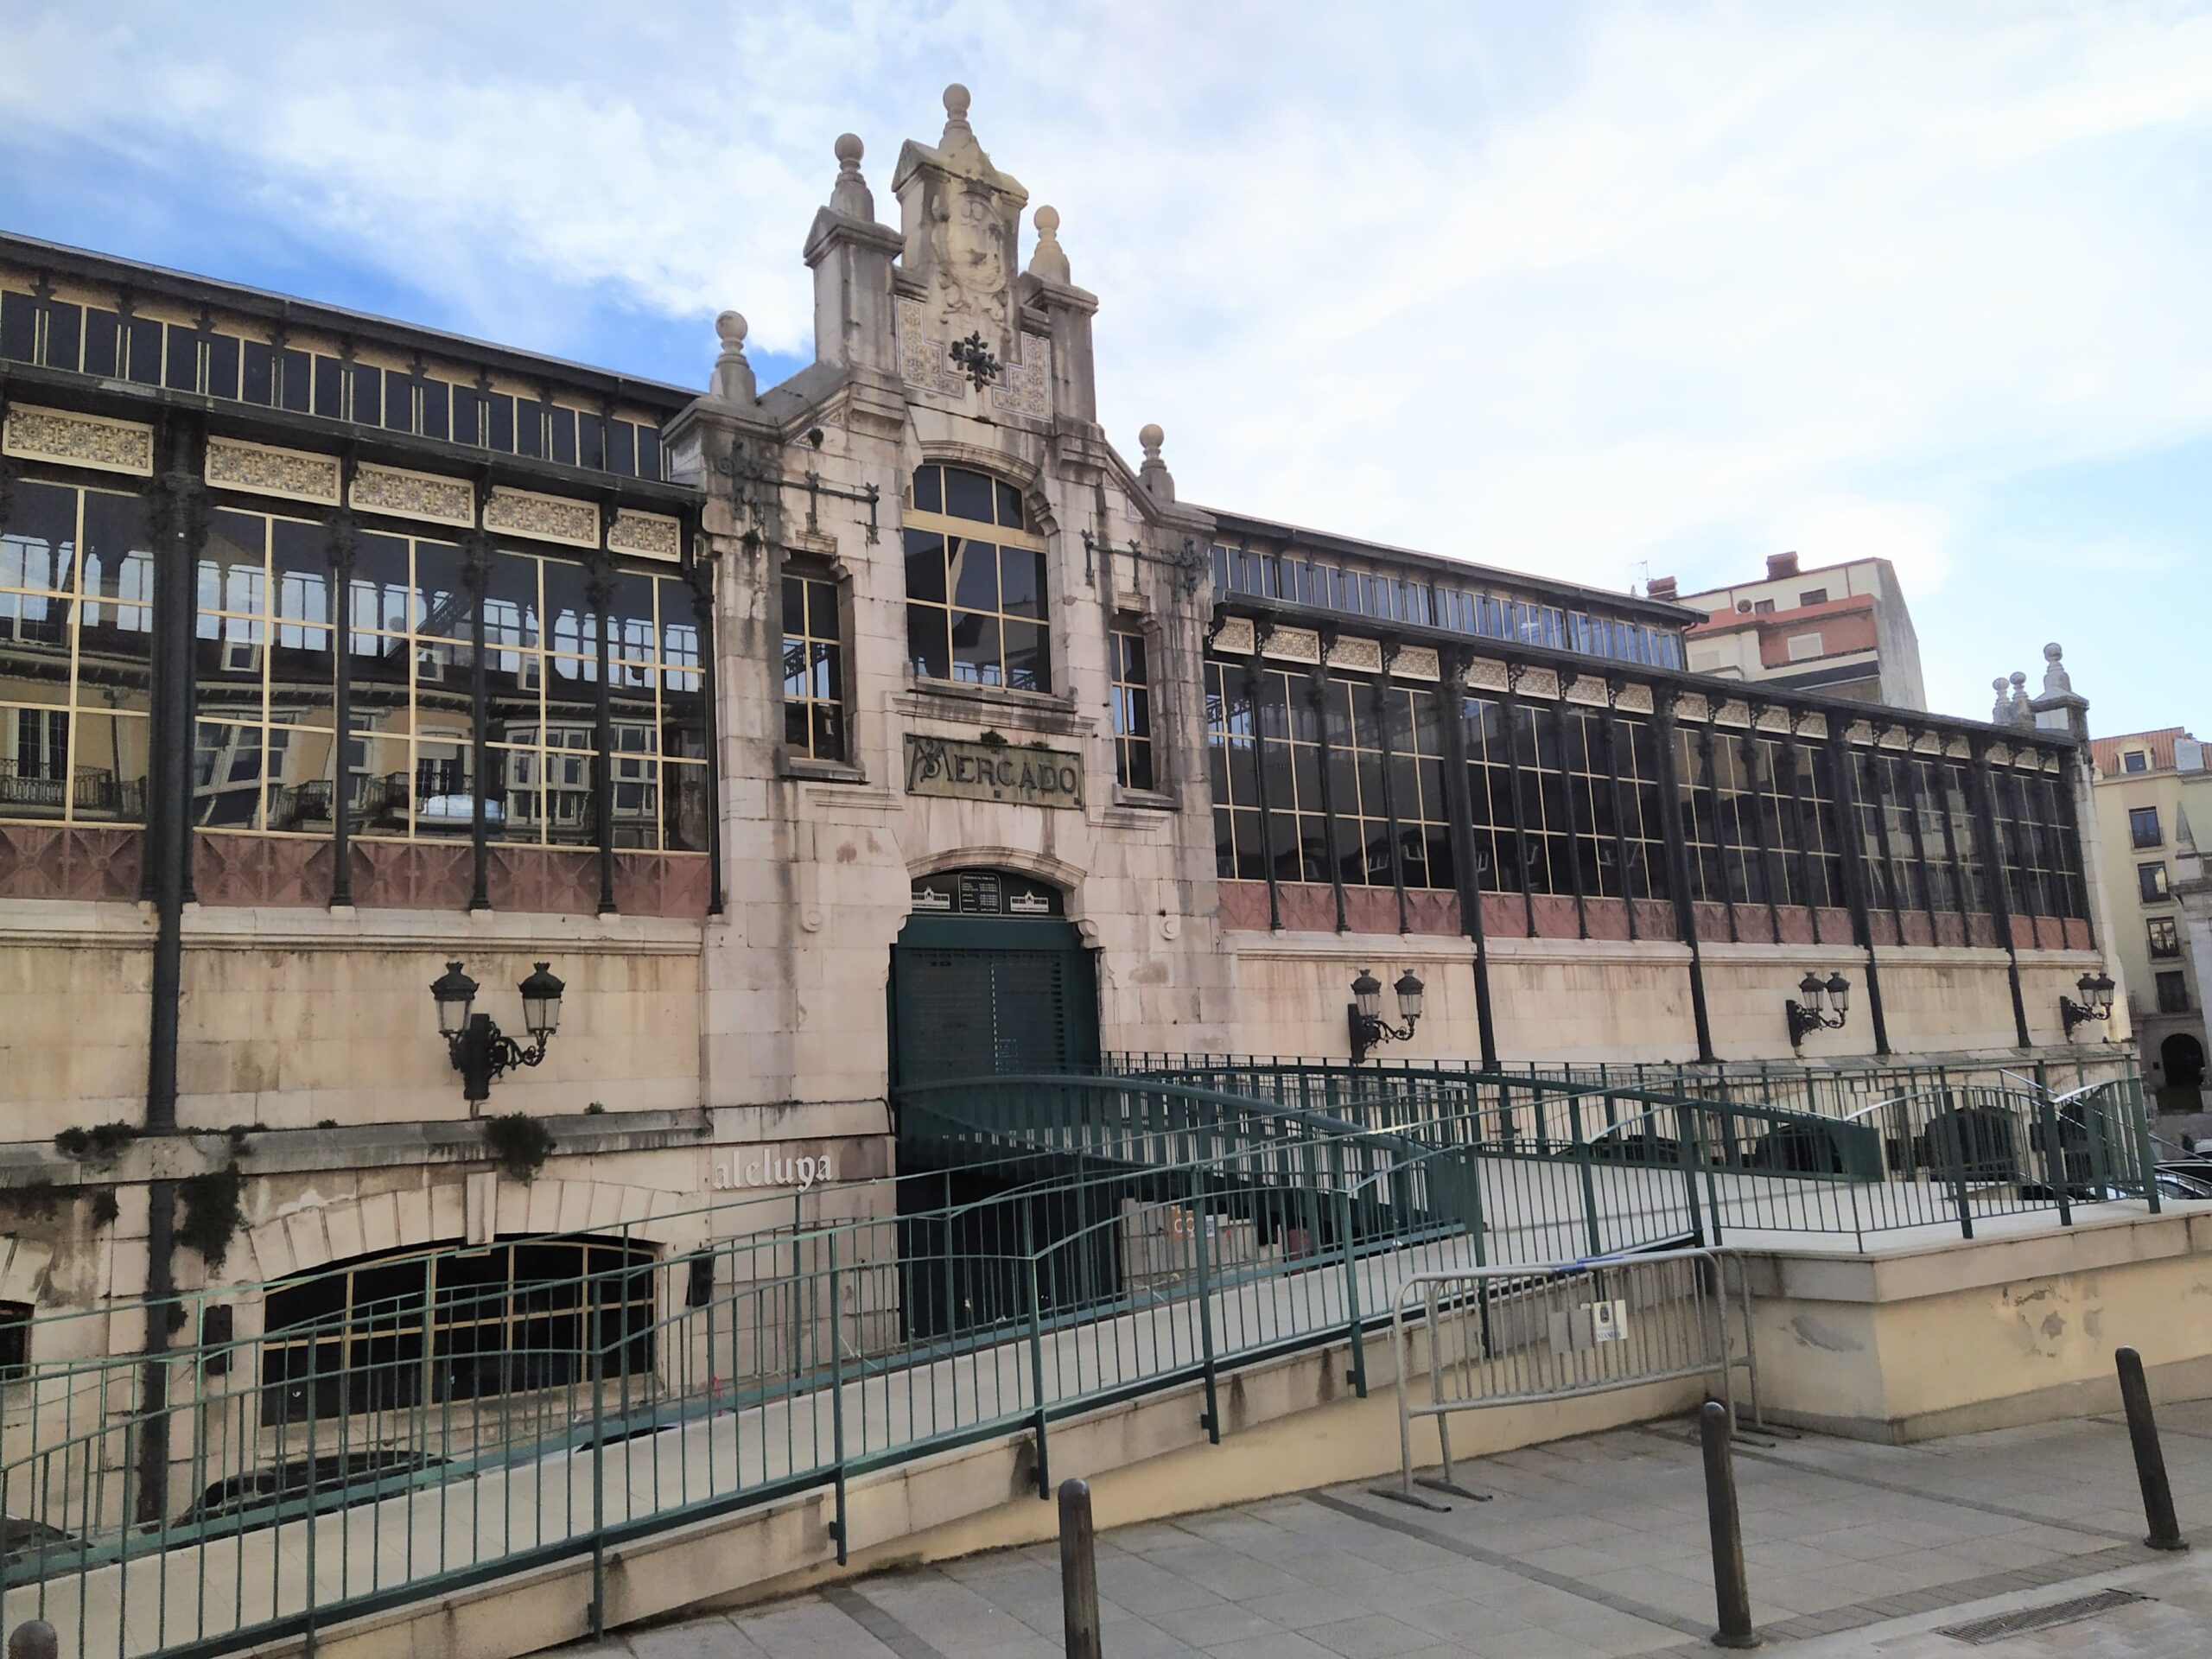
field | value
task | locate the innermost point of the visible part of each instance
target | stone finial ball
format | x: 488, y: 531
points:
x: 1996, y: 684
x: 2019, y: 678
x: 956, y: 101
x: 1152, y: 437
x: 849, y: 149
x: 2051, y: 653
x: 731, y: 327
x: 1048, y: 221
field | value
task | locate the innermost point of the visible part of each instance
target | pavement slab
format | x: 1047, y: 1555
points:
x: 1590, y: 1548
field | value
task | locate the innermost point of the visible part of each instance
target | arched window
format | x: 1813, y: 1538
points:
x: 975, y: 584
x: 446, y: 1323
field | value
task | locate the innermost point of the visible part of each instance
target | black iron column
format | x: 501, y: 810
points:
x: 1381, y: 706
x: 1845, y: 795
x: 1997, y: 878
x: 180, y: 507
x: 477, y: 576
x: 1567, y: 795
x: 1509, y: 708
x: 1460, y: 803
x: 1620, y: 817
x: 1706, y: 739
x: 599, y: 594
x: 699, y: 574
x: 181, y: 526
x: 1317, y: 698
x: 343, y: 531
x: 1259, y: 775
x: 1678, y: 864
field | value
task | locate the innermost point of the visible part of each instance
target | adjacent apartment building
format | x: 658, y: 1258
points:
x: 2143, y: 781
x: 1842, y: 630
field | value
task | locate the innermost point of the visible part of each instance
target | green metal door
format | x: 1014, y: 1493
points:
x: 970, y: 997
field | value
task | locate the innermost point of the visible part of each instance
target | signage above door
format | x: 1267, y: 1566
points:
x: 969, y: 770
x: 986, y: 892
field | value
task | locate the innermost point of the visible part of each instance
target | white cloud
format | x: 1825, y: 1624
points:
x: 1576, y: 289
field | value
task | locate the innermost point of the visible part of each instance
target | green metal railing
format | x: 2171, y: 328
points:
x: 1074, y: 1242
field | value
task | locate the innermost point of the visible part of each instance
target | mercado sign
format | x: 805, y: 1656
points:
x: 972, y: 770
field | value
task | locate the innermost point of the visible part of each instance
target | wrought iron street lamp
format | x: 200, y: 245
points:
x: 481, y: 1051
x: 1825, y: 1005
x: 1364, y: 1011
x: 2095, y: 1004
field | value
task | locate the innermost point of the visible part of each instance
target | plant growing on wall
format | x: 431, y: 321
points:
x: 100, y: 1145
x: 519, y: 1144
x: 211, y: 1216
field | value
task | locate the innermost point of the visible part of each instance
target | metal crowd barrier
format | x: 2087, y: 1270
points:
x: 1520, y: 1335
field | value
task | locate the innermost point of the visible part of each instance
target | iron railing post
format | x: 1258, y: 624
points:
x: 838, y: 1527
x: 595, y: 1338
x: 1351, y: 1273
x: 1036, y: 1354
x: 1589, y: 1177
x: 2054, y: 1158
x: 1211, y: 1421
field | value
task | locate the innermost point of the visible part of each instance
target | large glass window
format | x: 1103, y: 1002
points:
x: 1417, y: 737
x: 1233, y: 773
x: 425, y: 1326
x: 1614, y: 779
x: 264, y: 753
x: 2143, y: 826
x: 2173, y: 992
x: 541, y: 678
x: 1132, y: 690
x: 2151, y: 884
x: 2165, y: 935
x: 76, y: 655
x: 410, y: 749
x: 814, y: 670
x: 975, y: 584
x: 1402, y: 597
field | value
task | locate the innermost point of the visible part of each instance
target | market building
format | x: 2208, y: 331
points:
x: 883, y: 726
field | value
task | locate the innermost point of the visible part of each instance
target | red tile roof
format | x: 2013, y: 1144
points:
x: 2106, y: 751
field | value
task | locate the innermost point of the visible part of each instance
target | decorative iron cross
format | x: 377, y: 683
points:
x: 974, y: 359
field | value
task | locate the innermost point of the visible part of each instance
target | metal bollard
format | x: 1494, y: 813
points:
x: 1729, y: 1589
x: 2150, y: 1459
x: 34, y: 1639
x: 1079, y: 1570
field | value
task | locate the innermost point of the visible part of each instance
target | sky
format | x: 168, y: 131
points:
x: 1605, y: 291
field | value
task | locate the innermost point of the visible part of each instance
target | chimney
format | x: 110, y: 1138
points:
x: 1779, y: 565
x: 1662, y: 587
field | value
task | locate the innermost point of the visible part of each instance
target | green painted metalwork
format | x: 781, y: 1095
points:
x: 1074, y: 1241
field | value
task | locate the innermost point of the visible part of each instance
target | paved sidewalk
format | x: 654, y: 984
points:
x: 1594, y: 1547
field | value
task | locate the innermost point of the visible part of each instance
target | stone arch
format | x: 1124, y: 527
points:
x: 310, y: 1236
